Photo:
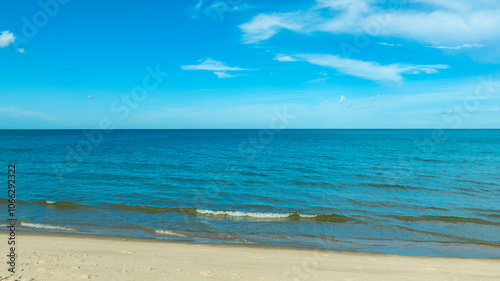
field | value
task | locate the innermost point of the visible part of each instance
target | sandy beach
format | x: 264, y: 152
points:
x: 53, y: 256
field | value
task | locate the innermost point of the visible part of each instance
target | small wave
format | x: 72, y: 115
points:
x: 311, y: 183
x: 384, y: 185
x: 150, y: 209
x: 428, y: 160
x: 56, y: 204
x: 307, y: 216
x: 276, y: 216
x: 184, y: 179
x: 46, y: 226
x: 307, y: 171
x: 61, y: 204
x: 51, y: 203
x: 450, y: 219
x: 250, y: 173
x: 478, y: 183
x: 242, y: 214
x: 195, y: 212
x: 168, y: 233
x: 480, y: 210
x: 493, y: 215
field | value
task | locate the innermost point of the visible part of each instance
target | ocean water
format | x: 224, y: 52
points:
x: 411, y: 192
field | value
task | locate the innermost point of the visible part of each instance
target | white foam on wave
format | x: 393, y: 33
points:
x: 46, y: 226
x: 307, y: 216
x: 168, y: 232
x: 244, y: 214
x: 50, y: 202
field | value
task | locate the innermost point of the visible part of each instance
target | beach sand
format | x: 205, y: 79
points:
x: 53, y: 256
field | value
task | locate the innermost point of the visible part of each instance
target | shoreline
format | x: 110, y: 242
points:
x: 219, y: 243
x: 72, y: 256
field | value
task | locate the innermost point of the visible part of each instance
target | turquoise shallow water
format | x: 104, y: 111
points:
x: 418, y: 192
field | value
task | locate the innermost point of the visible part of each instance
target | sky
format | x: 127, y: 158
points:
x: 152, y: 64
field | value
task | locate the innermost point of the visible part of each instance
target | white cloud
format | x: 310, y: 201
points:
x: 91, y: 97
x: 463, y: 46
x: 264, y: 26
x: 417, y: 69
x: 216, y: 9
x: 318, y: 81
x: 6, y: 38
x: 222, y: 74
x: 210, y: 64
x: 282, y: 57
x: 218, y: 67
x: 16, y: 112
x: 345, y: 103
x: 390, y: 45
x: 435, y: 22
x: 20, y: 50
x: 367, y: 69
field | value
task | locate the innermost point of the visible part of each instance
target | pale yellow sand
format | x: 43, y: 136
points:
x: 45, y: 256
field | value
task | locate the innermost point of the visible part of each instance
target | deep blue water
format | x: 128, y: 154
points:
x: 417, y: 192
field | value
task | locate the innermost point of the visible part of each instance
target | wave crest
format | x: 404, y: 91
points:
x: 46, y: 226
x: 274, y: 216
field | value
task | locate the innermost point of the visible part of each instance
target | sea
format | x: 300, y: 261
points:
x: 408, y: 192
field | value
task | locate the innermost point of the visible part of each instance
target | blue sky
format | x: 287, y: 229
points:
x: 235, y: 63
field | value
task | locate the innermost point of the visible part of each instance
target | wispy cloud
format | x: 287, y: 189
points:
x: 390, y: 45
x: 463, y: 46
x: 6, y: 38
x: 16, y: 112
x: 343, y: 101
x: 435, y: 22
x: 367, y: 69
x: 264, y: 26
x: 222, y: 74
x: 282, y: 57
x: 213, y: 65
x: 90, y: 97
x: 318, y: 81
x: 216, y: 9
x: 218, y: 67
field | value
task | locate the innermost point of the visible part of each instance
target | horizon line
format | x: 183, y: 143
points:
x: 284, y: 129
